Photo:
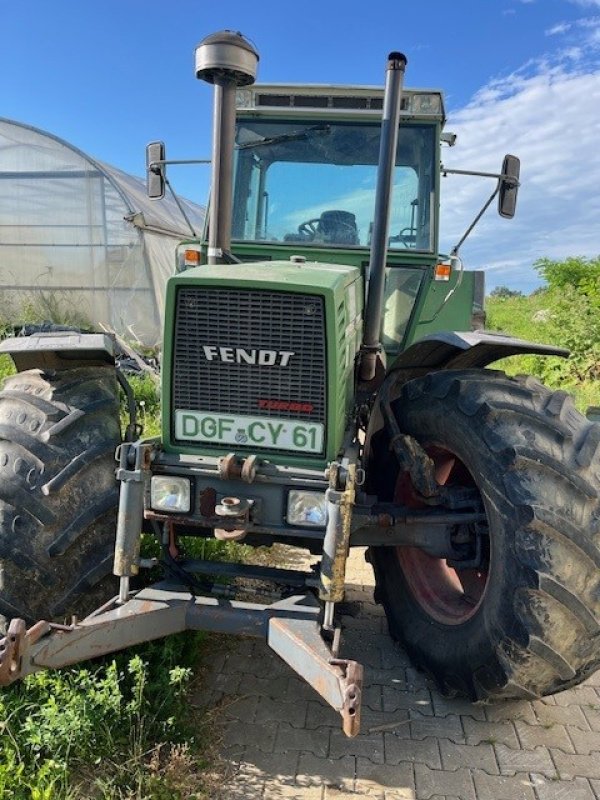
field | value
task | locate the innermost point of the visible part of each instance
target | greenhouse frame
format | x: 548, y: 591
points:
x: 80, y: 242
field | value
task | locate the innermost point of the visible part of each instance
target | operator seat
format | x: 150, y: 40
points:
x: 338, y: 227
x: 332, y: 227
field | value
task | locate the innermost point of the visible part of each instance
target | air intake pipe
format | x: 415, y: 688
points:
x: 227, y: 60
x: 371, y: 344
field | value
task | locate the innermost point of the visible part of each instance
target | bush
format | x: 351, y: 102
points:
x: 577, y: 272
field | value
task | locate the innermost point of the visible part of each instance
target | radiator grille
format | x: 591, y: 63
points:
x: 254, y: 320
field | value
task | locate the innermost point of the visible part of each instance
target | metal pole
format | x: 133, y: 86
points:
x: 379, y: 242
x: 219, y: 236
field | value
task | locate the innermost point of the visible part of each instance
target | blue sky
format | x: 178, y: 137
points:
x: 519, y: 76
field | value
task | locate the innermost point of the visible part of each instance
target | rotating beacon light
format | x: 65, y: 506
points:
x: 227, y: 60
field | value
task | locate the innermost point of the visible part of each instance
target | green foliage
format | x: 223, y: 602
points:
x: 147, y: 396
x: 564, y: 313
x: 575, y: 272
x: 7, y: 366
x: 504, y: 292
x: 109, y: 730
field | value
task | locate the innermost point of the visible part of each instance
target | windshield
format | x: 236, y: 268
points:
x: 314, y: 183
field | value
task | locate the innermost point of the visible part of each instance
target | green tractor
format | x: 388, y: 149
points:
x: 325, y: 385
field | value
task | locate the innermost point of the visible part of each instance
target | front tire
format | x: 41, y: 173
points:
x: 526, y: 623
x: 58, y: 493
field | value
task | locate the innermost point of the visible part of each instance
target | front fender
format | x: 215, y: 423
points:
x: 464, y: 350
x: 449, y: 350
x: 60, y: 350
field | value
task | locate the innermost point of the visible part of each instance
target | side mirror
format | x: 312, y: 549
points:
x: 509, y: 186
x: 155, y: 170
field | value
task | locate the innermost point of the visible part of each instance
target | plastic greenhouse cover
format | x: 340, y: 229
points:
x: 67, y: 251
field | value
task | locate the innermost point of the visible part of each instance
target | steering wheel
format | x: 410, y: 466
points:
x: 407, y: 237
x: 310, y: 227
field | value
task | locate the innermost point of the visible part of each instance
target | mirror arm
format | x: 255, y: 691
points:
x: 494, y: 194
x: 500, y: 176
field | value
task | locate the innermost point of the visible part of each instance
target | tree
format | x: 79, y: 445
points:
x: 577, y: 271
x: 504, y: 292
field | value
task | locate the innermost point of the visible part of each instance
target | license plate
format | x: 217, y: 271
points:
x: 262, y: 432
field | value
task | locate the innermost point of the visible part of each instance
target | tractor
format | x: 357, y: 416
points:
x: 326, y: 384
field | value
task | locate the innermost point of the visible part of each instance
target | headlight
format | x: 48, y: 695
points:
x: 170, y: 494
x: 307, y: 508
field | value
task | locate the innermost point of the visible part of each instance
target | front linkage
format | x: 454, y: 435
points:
x: 293, y: 626
x: 300, y: 626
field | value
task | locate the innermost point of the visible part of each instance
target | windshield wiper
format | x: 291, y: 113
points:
x: 307, y: 133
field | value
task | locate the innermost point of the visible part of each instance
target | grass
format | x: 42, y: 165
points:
x: 120, y: 728
x: 533, y: 318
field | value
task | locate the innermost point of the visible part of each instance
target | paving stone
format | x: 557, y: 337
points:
x: 500, y: 787
x: 562, y: 715
x: 578, y: 696
x: 395, y: 699
x: 227, y: 682
x: 398, y: 751
x: 283, y: 742
x: 262, y: 737
x: 449, y: 727
x: 395, y: 677
x: 336, y: 772
x: 277, y: 791
x: 575, y: 766
x: 388, y: 777
x: 431, y: 782
x: 418, y: 680
x: 512, y: 761
x: 280, y: 766
x: 593, y: 680
x: 367, y: 745
x: 511, y: 711
x: 331, y: 793
x: 310, y: 741
x: 456, y: 756
x: 372, y: 696
x: 532, y: 736
x: 592, y: 716
x: 272, y: 687
x: 392, y: 655
x: 270, y: 709
x: 239, y: 789
x: 443, y: 706
x: 579, y: 789
x: 357, y: 622
x: 584, y: 742
x: 490, y: 732
x: 380, y: 722
x: 241, y: 707
x: 244, y: 783
x: 318, y: 715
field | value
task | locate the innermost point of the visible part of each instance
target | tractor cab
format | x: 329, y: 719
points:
x: 306, y: 169
x: 304, y: 185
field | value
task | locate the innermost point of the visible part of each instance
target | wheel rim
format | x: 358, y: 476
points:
x: 448, y: 595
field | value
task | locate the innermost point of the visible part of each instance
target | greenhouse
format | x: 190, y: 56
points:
x: 80, y: 242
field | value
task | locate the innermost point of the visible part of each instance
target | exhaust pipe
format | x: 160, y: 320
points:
x: 371, y: 344
x: 227, y: 60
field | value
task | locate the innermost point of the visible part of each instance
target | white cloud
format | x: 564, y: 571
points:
x: 548, y: 116
x: 586, y: 3
x: 561, y: 27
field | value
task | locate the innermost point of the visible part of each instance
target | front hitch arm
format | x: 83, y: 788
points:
x: 290, y: 626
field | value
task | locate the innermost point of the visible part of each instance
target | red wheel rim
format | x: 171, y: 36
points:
x: 448, y: 595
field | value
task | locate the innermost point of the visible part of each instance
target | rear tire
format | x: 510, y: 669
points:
x: 58, y: 493
x: 532, y: 627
